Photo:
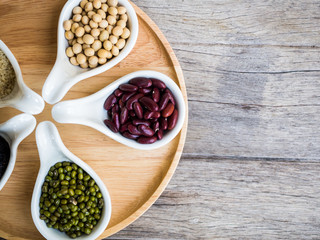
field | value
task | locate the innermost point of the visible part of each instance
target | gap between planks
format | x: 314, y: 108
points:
x: 217, y: 158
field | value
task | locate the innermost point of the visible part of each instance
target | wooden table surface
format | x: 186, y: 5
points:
x: 251, y: 163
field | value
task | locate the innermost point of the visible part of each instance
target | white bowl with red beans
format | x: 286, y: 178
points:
x: 143, y: 110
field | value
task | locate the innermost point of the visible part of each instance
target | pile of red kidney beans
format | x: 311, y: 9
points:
x: 143, y: 110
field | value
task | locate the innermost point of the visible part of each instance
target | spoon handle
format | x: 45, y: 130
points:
x: 18, y: 128
x: 28, y: 101
x: 61, y: 78
x: 86, y: 111
x: 49, y: 143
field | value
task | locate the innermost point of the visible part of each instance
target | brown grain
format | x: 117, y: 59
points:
x: 7, y: 76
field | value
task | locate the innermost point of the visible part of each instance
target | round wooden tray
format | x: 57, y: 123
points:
x: 134, y: 178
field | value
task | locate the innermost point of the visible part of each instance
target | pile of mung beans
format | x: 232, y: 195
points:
x: 96, y: 32
x: 70, y: 201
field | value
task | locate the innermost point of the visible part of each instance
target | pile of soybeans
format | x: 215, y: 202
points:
x: 96, y: 32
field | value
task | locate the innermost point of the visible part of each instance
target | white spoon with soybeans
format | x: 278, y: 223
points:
x: 92, y: 38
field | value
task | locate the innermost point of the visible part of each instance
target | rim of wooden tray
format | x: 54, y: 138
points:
x: 182, y: 137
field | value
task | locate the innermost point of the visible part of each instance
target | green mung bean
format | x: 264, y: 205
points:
x: 70, y: 201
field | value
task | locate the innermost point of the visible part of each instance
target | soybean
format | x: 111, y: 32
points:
x: 95, y: 24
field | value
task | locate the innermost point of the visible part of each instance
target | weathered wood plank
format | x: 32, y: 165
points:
x: 253, y: 131
x: 234, y: 199
x: 251, y: 74
x: 280, y: 23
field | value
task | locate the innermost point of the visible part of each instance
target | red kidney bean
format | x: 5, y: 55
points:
x: 130, y: 136
x: 172, y: 121
x: 121, y: 104
x: 124, y: 116
x: 110, y: 125
x: 133, y: 99
x: 126, y: 96
x: 124, y: 127
x: 115, y: 120
x: 145, y: 90
x: 160, y: 134
x: 148, y: 115
x: 118, y: 93
x: 138, y: 110
x: 164, y: 101
x: 149, y: 104
x: 133, y: 130
x: 158, y: 83
x: 156, y: 95
x: 153, y: 120
x: 110, y: 113
x: 132, y: 113
x: 126, y: 87
x: 163, y: 123
x: 168, y: 110
x: 111, y: 100
x: 171, y: 97
x: 115, y: 109
x: 137, y: 122
x: 156, y: 126
x: 147, y: 140
x: 145, y: 130
x: 141, y: 82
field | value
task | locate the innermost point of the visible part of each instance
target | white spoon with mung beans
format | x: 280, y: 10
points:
x: 51, y: 151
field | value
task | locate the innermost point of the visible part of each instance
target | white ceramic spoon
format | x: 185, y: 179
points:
x: 64, y: 75
x: 14, y: 131
x: 89, y: 110
x: 52, y: 150
x: 22, y: 97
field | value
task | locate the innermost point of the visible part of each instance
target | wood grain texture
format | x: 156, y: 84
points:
x: 134, y: 178
x: 250, y: 167
x: 234, y: 199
